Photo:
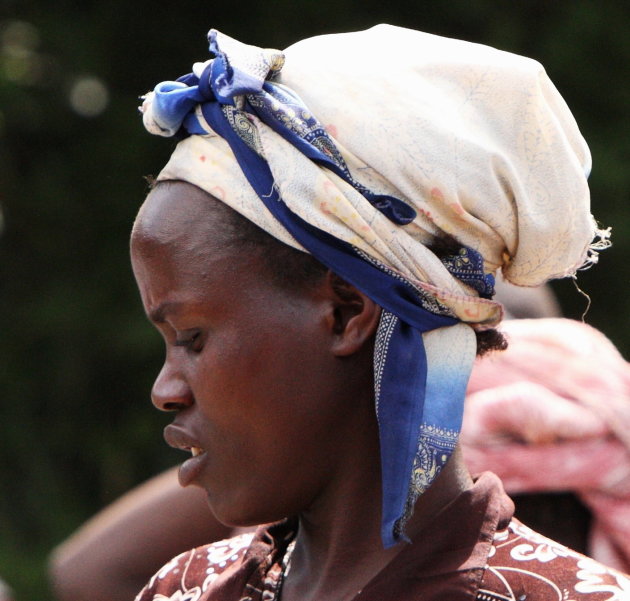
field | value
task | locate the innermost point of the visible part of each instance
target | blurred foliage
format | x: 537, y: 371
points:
x: 77, y: 356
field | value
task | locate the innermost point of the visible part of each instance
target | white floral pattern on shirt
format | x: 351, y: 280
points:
x: 526, y: 565
x: 216, y: 558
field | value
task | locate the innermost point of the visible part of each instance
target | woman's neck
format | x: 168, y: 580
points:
x: 338, y: 548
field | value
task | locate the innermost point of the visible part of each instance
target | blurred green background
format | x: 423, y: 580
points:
x: 77, y: 356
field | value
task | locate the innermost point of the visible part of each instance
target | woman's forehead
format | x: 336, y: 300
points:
x: 180, y: 212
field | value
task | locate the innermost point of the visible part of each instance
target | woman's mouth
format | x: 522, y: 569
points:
x: 191, y: 469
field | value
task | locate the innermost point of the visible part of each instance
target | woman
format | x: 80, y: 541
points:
x: 393, y: 173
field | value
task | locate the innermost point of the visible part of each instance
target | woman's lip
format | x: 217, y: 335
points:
x: 190, y: 470
x: 178, y: 438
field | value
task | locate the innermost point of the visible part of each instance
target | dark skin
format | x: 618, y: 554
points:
x: 272, y: 389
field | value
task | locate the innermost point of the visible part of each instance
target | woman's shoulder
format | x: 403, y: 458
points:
x: 191, y: 574
x: 523, y: 564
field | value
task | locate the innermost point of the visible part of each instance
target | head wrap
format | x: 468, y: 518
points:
x: 569, y: 412
x: 362, y: 149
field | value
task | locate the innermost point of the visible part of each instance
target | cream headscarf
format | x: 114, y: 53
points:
x: 374, y: 144
x: 477, y: 140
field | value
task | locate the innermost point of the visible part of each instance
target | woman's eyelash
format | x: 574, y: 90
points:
x: 188, y: 341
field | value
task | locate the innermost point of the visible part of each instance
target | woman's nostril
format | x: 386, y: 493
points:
x: 170, y: 391
x: 174, y: 406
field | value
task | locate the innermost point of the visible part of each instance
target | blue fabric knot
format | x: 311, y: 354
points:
x: 205, y: 81
x: 239, y: 76
x: 172, y: 102
x: 228, y: 82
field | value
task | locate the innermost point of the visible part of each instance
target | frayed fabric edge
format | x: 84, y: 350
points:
x: 601, y: 241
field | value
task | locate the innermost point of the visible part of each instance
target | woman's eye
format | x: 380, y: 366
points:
x: 191, y: 341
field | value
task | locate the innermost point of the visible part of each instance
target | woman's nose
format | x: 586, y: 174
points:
x: 170, y: 391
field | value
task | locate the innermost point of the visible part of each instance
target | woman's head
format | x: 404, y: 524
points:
x: 448, y: 140
x: 271, y: 381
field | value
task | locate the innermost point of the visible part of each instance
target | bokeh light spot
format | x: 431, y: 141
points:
x: 89, y: 96
x: 18, y: 37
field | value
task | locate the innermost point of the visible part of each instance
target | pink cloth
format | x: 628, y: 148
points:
x: 552, y: 413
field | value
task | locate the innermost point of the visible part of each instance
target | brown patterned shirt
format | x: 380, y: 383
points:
x: 473, y: 551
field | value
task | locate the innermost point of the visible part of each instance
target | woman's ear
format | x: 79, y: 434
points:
x: 354, y: 317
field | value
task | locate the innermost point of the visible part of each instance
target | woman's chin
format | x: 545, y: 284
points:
x: 238, y: 515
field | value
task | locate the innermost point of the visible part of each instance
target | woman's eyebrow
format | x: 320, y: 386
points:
x: 158, y: 315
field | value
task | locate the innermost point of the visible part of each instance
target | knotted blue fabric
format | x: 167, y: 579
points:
x: 219, y: 97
